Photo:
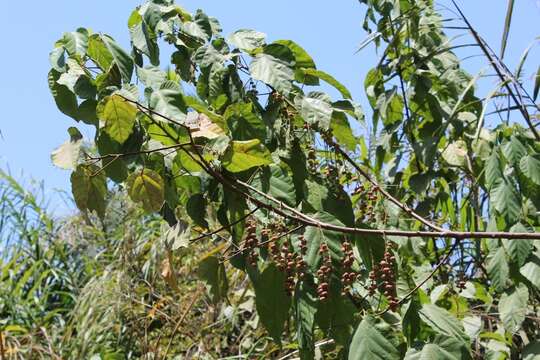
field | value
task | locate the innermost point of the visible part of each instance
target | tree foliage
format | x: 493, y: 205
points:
x: 407, y: 234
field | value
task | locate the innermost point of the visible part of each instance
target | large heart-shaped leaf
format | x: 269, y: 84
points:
x: 247, y: 40
x: 119, y: 117
x: 244, y: 155
x: 369, y: 344
x: 273, y: 71
x: 89, y: 188
x: 271, y: 300
x: 513, y: 308
x: 146, y: 187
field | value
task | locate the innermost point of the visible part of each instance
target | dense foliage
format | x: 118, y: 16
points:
x: 410, y: 237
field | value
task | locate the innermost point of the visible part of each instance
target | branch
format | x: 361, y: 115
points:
x: 272, y: 239
x: 306, y: 220
x: 119, y: 155
x: 386, y: 194
x: 204, y: 235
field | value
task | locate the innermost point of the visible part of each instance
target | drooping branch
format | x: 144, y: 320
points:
x: 301, y: 218
x: 385, y: 193
x: 141, y: 152
x: 228, y: 226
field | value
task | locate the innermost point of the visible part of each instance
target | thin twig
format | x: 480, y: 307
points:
x: 204, y: 235
x: 119, y: 155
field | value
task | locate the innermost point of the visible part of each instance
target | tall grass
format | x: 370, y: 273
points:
x: 77, y: 287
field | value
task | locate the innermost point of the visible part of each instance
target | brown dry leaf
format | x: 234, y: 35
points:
x: 202, y: 126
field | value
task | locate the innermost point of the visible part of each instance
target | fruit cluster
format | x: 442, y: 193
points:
x: 286, y: 260
x: 384, y: 271
x: 313, y: 163
x: 323, y: 274
x: 348, y: 276
x: 250, y: 243
x: 369, y: 197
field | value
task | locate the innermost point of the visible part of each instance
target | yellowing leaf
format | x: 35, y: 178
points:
x: 147, y: 187
x: 119, y: 117
x: 244, y: 155
x: 89, y: 187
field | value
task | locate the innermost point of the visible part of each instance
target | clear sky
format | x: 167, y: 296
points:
x: 31, y: 126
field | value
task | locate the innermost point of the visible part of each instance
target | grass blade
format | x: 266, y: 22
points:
x: 507, y: 22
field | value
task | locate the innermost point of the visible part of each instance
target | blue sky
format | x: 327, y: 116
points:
x: 31, y: 126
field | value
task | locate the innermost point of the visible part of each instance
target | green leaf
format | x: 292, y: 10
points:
x: 505, y: 199
x: 342, y: 130
x: 532, y: 351
x: 151, y: 76
x: 531, y: 271
x: 67, y: 155
x: 208, y: 56
x: 200, y: 28
x: 247, y: 40
x: 57, y: 58
x: 518, y: 249
x: 76, y: 42
x: 497, y: 268
x: 455, y: 153
x: 115, y: 168
x: 445, y: 348
x: 390, y: 106
x: 119, y: 117
x: 411, y: 324
x: 493, y: 169
x: 272, y: 302
x: 315, y: 236
x: 243, y: 123
x: 369, y: 344
x: 169, y: 102
x: 443, y: 322
x: 244, y: 155
x: 120, y: 57
x: 272, y: 71
x: 530, y: 166
x: 65, y: 100
x: 143, y: 38
x: 536, y: 84
x: 316, y: 112
x: 336, y: 315
x: 213, y: 273
x: 514, y: 150
x: 513, y: 308
x: 306, y: 307
x: 328, y: 79
x: 302, y: 60
x: 99, y: 53
x: 277, y: 182
x: 147, y: 187
x: 89, y: 188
